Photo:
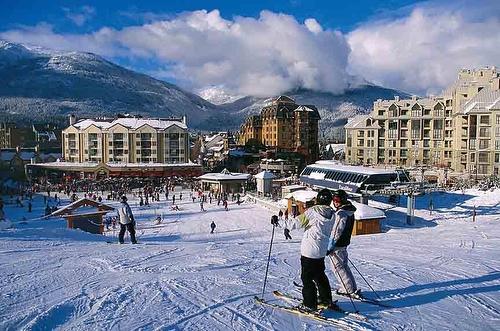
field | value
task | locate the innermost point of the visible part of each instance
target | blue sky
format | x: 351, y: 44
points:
x: 262, y: 47
x: 342, y: 15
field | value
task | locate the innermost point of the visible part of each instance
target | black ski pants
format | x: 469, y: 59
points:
x: 314, y: 280
x: 131, y: 229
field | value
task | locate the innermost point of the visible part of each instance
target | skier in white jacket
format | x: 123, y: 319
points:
x: 317, y: 223
x: 127, y: 222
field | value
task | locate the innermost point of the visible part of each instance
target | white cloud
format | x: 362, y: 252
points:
x: 263, y: 56
x: 423, y: 51
x: 420, y: 51
x: 81, y: 15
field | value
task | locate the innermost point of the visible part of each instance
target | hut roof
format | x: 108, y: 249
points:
x: 365, y: 212
x: 84, y: 206
x: 302, y: 195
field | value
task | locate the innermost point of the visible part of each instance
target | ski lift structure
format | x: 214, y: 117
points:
x: 363, y: 182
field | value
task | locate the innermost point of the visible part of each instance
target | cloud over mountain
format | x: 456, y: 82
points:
x: 419, y: 50
x: 249, y: 56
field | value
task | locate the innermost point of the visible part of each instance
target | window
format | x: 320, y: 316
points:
x: 484, y: 119
x: 497, y: 121
x: 483, y: 156
x: 484, y: 132
x: 497, y: 145
x: 497, y: 132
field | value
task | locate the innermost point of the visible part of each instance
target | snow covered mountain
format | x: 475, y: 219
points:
x: 44, y: 85
x: 38, y: 84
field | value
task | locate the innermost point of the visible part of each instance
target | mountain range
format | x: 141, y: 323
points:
x: 40, y: 85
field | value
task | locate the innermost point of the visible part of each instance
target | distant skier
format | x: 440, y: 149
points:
x: 340, y: 239
x: 317, y: 223
x: 212, y: 226
x: 286, y: 232
x: 225, y: 205
x: 201, y: 206
x: 286, y: 214
x: 127, y: 222
x: 180, y: 196
x: 173, y: 199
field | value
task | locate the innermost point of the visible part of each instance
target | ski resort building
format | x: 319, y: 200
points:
x: 122, y: 147
x: 285, y: 125
x: 460, y: 129
x: 126, y: 140
x: 224, y: 181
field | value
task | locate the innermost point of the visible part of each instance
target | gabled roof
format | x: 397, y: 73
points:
x: 82, y: 205
x: 224, y: 175
x: 486, y: 100
x: 131, y: 123
x: 359, y: 122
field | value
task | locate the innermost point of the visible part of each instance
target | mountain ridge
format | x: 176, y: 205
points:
x: 42, y: 85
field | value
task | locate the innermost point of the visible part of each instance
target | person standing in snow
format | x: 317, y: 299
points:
x: 127, y: 222
x: 201, y: 206
x: 340, y: 239
x: 317, y: 222
x: 212, y: 226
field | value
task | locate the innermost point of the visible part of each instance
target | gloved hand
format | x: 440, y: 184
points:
x: 274, y: 220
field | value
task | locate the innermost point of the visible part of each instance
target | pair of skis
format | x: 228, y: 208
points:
x: 320, y: 315
x: 356, y: 297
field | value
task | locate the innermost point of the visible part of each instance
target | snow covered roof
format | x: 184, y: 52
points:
x: 335, y: 147
x: 360, y: 122
x: 224, y: 175
x: 131, y: 123
x: 265, y: 175
x: 302, y: 195
x: 486, y: 100
x: 365, y: 212
x: 84, y: 206
x: 326, y: 164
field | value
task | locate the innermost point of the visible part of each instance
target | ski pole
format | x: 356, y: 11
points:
x: 343, y: 284
x: 268, y: 259
x: 378, y: 296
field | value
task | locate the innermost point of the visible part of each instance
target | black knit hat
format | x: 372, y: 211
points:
x: 324, y: 197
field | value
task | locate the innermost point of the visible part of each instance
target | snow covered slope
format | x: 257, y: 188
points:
x: 440, y: 274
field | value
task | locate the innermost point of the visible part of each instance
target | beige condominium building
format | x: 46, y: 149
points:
x: 126, y: 140
x: 460, y: 129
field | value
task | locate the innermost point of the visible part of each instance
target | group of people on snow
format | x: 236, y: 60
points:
x: 327, y: 233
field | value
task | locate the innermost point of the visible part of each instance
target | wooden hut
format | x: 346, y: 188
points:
x: 84, y: 214
x: 367, y: 219
x: 299, y: 201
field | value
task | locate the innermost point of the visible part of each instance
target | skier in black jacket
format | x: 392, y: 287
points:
x: 339, y: 240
